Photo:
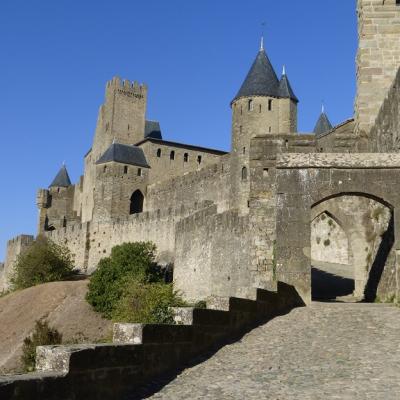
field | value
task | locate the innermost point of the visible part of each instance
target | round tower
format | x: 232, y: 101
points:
x: 263, y: 105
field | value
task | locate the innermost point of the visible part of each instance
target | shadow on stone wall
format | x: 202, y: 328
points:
x: 379, y: 263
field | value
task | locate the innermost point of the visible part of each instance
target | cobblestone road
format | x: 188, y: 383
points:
x: 325, y: 351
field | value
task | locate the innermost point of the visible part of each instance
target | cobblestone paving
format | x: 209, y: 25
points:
x: 325, y: 351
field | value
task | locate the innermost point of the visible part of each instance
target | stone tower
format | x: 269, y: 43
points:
x: 378, y: 57
x: 122, y: 117
x: 263, y: 105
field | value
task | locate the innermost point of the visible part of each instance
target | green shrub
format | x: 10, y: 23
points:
x: 126, y: 262
x: 147, y: 303
x: 43, y: 261
x: 42, y: 335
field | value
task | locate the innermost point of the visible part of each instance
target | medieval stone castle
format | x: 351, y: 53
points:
x: 230, y: 222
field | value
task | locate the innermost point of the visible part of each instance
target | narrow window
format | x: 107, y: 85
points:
x: 199, y: 159
x: 186, y: 157
x: 64, y: 222
x: 260, y: 108
x: 244, y: 174
x: 250, y: 105
x: 128, y: 127
x: 107, y: 126
x: 241, y: 110
x: 269, y: 129
x: 172, y: 155
x: 240, y: 128
x: 269, y: 105
x: 136, y: 205
x: 244, y: 150
x: 105, y: 168
x: 159, y: 153
x: 125, y: 169
x: 139, y: 172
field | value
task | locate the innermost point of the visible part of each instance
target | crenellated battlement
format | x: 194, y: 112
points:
x: 127, y: 87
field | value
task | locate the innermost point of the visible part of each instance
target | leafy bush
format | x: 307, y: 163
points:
x: 127, y: 261
x: 42, y: 335
x: 43, y: 261
x: 147, y: 303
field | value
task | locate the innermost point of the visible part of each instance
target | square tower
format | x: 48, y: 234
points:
x: 378, y: 57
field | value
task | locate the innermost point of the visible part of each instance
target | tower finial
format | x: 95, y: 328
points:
x: 284, y: 70
x: 262, y: 36
x: 322, y: 107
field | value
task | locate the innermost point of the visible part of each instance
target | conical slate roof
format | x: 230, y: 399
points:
x: 323, y: 124
x: 61, y: 179
x: 261, y: 79
x: 285, y: 89
x: 124, y: 154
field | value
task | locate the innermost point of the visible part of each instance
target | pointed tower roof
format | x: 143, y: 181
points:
x: 285, y: 89
x: 323, y: 124
x: 62, y: 178
x: 261, y: 80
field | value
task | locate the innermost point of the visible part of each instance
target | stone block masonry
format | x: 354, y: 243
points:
x: 378, y: 58
x: 141, y: 353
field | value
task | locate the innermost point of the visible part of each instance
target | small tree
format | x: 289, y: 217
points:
x: 43, y: 261
x: 42, y: 335
x: 127, y: 261
x: 147, y: 303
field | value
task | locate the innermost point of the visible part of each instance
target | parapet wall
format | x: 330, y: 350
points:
x: 140, y: 353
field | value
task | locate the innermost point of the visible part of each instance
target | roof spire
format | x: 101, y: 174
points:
x: 262, y: 36
x: 284, y: 70
x: 322, y: 107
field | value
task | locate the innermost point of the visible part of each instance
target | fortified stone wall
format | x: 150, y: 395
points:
x: 385, y: 134
x: 262, y: 216
x: 15, y: 247
x: 212, y: 255
x: 210, y: 183
x: 378, y: 57
x: 92, y: 241
x: 339, y: 140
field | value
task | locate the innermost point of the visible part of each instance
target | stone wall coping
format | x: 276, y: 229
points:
x: 338, y: 160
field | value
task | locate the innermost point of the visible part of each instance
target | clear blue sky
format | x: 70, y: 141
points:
x: 56, y: 57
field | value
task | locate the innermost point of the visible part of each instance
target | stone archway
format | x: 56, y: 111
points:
x: 351, y: 228
x: 303, y: 182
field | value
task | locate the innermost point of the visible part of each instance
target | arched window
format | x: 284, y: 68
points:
x: 244, y: 174
x: 186, y: 157
x: 136, y: 205
x: 172, y: 155
x: 269, y: 105
x: 159, y: 153
x: 250, y: 105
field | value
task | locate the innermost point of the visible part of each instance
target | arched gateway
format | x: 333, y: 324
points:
x: 339, y: 211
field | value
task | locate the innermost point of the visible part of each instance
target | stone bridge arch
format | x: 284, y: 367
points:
x: 307, y: 183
